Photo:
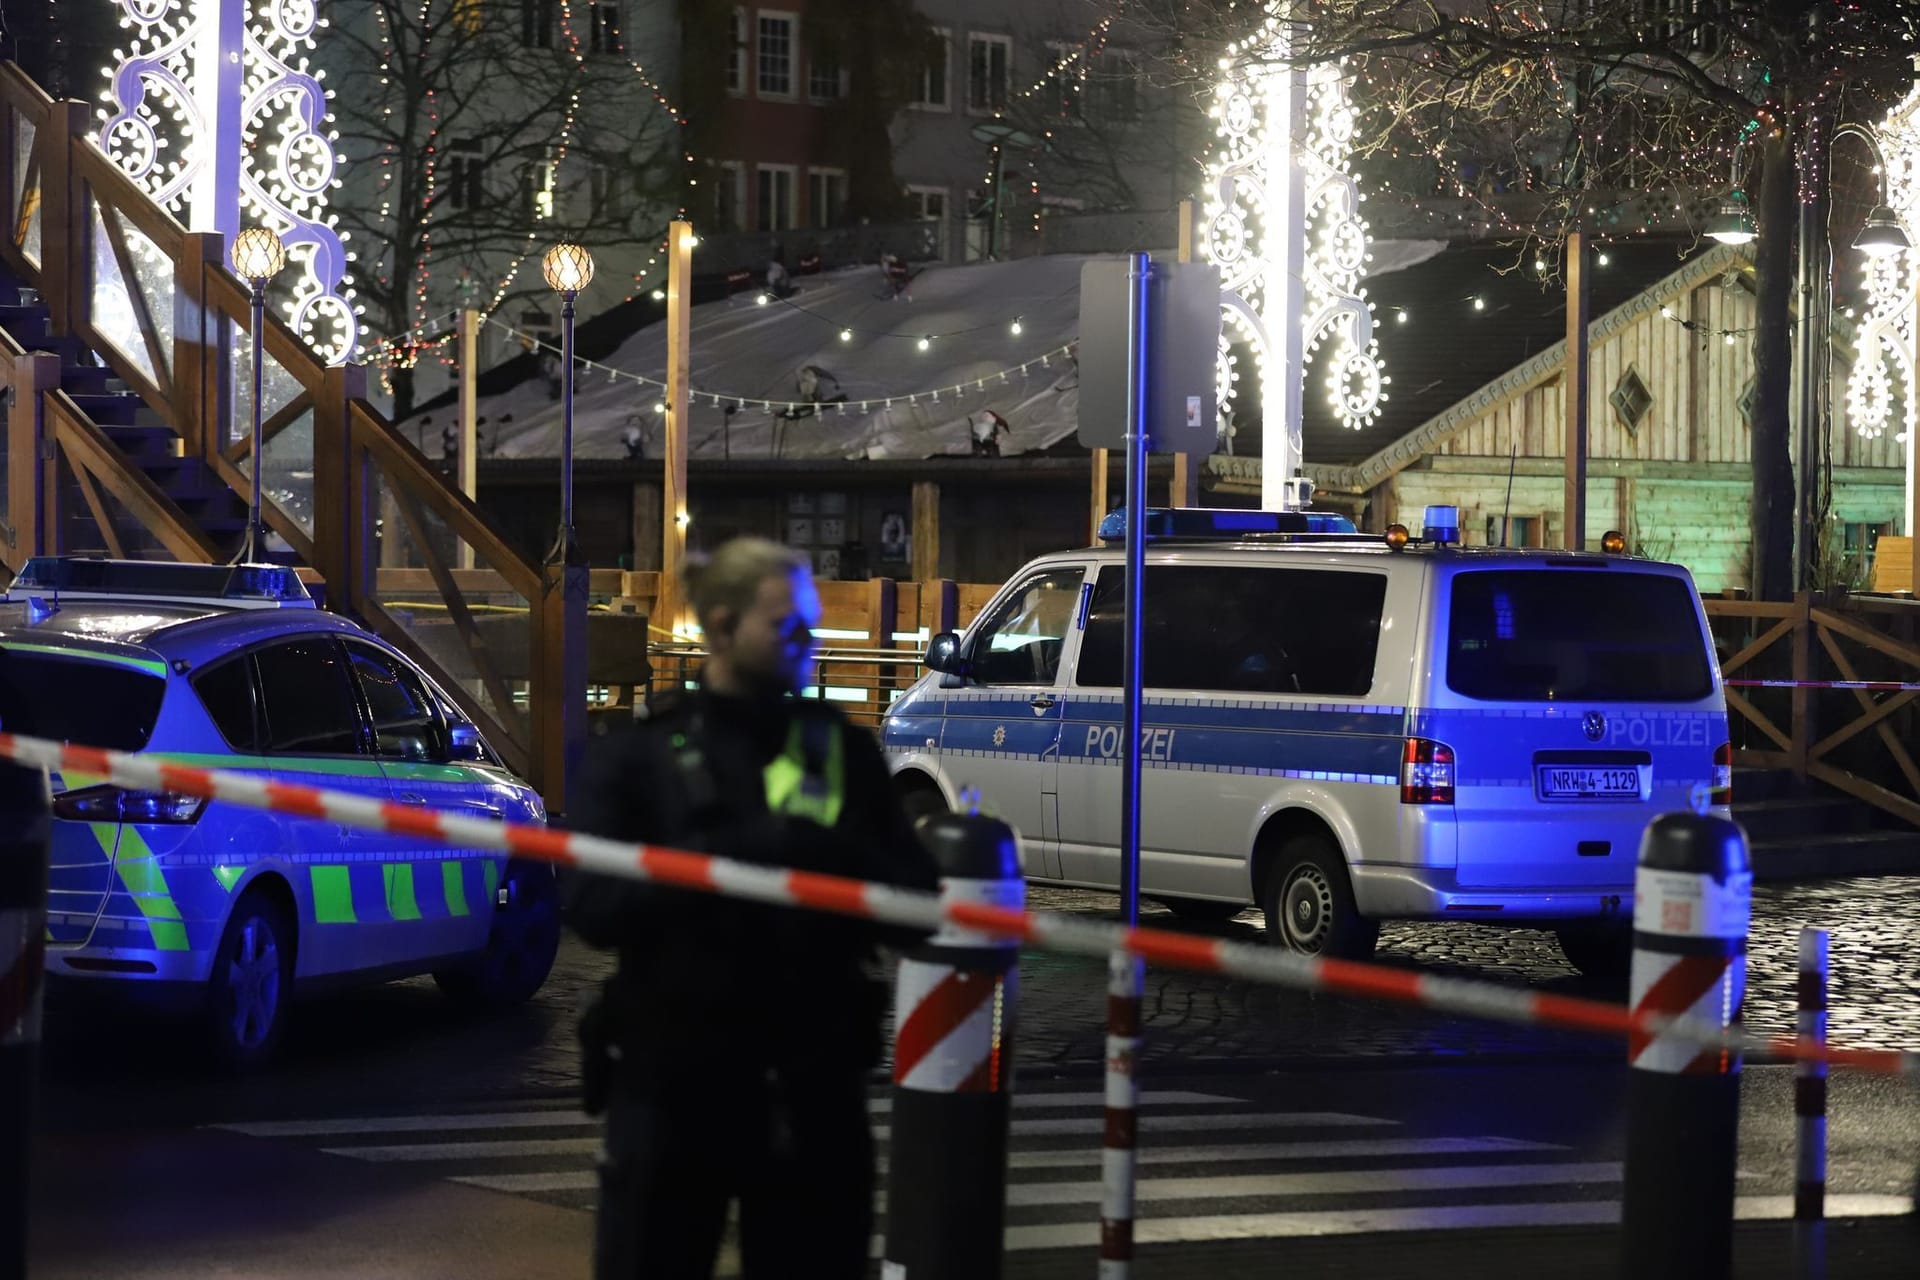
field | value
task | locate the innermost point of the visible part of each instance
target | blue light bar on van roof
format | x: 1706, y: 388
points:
x: 256, y: 585
x: 1223, y: 523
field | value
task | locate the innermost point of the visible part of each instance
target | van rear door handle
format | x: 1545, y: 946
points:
x: 1040, y: 701
x: 411, y: 797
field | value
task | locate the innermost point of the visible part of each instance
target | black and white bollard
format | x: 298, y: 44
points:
x: 1693, y: 896
x: 953, y: 1069
x: 24, y: 817
x: 1810, y: 1115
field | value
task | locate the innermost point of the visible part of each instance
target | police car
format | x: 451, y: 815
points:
x: 166, y: 895
x: 1340, y: 728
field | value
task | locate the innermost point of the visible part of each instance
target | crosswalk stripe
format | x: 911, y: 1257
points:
x: 1339, y: 1182
x: 1051, y: 1101
x: 1323, y: 1222
x: 558, y: 1119
x: 532, y: 1183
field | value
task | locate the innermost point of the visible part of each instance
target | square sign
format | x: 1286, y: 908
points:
x: 1183, y: 345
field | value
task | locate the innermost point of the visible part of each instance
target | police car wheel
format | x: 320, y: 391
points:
x: 1309, y: 903
x: 521, y: 945
x: 1602, y: 952
x: 251, y: 982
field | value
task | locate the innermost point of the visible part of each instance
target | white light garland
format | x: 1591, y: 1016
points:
x: 1880, y: 387
x: 1260, y: 156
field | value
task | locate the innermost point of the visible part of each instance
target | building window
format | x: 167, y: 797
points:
x: 1066, y: 65
x: 826, y: 196
x: 776, y: 197
x: 1516, y: 531
x: 1114, y: 87
x: 776, y: 55
x: 603, y: 189
x: 537, y: 191
x: 825, y: 80
x: 737, y: 53
x: 466, y: 176
x: 603, y: 36
x: 730, y: 197
x: 936, y: 78
x: 989, y: 62
x: 929, y: 204
x: 1631, y: 400
x: 537, y: 21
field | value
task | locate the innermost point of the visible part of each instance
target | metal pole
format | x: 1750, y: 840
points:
x: 254, y: 548
x: 1810, y: 1115
x: 469, y: 468
x: 1808, y: 337
x: 1125, y: 972
x: 564, y: 548
x: 1574, y: 389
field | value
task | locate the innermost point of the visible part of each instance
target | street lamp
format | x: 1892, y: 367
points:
x: 568, y: 268
x: 1734, y: 223
x: 258, y: 256
x: 1883, y: 236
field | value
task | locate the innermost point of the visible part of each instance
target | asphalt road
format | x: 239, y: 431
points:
x: 136, y: 1176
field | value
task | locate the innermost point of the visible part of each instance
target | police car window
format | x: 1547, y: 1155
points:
x: 226, y: 690
x: 1021, y: 643
x: 99, y: 703
x: 405, y: 726
x: 308, y: 698
x: 1241, y: 629
x: 1581, y: 635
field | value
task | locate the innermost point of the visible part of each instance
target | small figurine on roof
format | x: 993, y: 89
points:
x: 989, y: 429
x: 899, y: 277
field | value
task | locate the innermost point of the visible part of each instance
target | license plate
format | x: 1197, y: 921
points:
x: 1576, y: 782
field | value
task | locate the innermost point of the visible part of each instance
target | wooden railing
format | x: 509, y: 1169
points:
x: 1859, y: 741
x: 351, y: 496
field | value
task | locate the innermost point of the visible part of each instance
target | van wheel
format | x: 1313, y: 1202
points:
x: 1309, y: 902
x: 1599, y: 951
x: 251, y: 983
x: 922, y: 802
x: 521, y: 945
x: 1203, y: 910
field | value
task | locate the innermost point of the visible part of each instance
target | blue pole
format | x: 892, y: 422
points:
x: 1136, y: 572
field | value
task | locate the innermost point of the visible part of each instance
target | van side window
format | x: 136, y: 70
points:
x: 405, y: 726
x: 308, y: 698
x: 1021, y: 642
x: 1241, y: 630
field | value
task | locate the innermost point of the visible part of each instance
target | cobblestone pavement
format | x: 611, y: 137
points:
x: 403, y: 1041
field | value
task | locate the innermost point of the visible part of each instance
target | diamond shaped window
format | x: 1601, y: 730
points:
x: 1631, y: 400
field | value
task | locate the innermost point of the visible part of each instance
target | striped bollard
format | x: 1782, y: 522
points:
x: 24, y: 817
x: 953, y: 1068
x: 1692, y: 901
x: 1810, y: 1114
x: 1125, y: 974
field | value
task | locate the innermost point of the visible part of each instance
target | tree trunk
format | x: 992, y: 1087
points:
x: 1771, y: 434
x: 402, y: 393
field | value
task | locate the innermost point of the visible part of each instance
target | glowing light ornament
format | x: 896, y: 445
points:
x: 215, y: 111
x: 1283, y: 224
x: 1881, y: 387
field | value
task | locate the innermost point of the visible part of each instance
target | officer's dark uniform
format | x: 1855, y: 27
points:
x: 738, y: 1035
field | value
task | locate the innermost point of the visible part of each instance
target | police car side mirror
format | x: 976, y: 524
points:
x: 463, y: 743
x: 943, y: 654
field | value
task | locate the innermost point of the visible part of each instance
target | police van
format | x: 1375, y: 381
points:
x: 227, y: 910
x: 1340, y: 728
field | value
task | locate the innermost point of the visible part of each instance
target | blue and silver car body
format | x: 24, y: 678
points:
x: 244, y: 674
x: 1476, y: 733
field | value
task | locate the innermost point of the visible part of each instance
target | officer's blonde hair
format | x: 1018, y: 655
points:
x: 729, y: 576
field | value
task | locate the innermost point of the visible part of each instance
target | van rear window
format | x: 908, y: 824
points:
x: 1576, y: 635
x: 101, y: 704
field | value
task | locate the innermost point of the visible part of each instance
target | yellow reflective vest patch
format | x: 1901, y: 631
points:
x: 794, y: 790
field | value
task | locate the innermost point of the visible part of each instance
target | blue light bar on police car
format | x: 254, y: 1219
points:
x: 1442, y: 525
x: 1224, y: 523
x: 255, y: 585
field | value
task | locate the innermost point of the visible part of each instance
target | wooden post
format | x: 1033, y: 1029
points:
x: 341, y: 530
x: 939, y: 605
x: 469, y: 459
x: 64, y: 231
x: 673, y: 483
x: 557, y: 699
x: 1573, y: 386
x: 1185, y: 489
x: 883, y: 608
x: 646, y: 526
x: 1913, y: 504
x: 201, y: 357
x: 1802, y: 700
x: 926, y: 530
x: 1097, y: 498
x: 33, y: 469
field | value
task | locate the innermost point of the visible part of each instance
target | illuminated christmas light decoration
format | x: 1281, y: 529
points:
x: 1881, y: 387
x: 1283, y: 225
x: 217, y: 113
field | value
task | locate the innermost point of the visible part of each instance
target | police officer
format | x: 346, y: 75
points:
x: 731, y: 1047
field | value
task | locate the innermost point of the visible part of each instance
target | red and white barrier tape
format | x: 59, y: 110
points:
x: 916, y: 910
x: 1874, y: 686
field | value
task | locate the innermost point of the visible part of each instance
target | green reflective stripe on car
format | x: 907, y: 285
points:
x: 401, y: 903
x: 332, y: 896
x: 324, y: 767
x: 147, y: 885
x: 228, y: 876
x: 453, y: 880
x: 152, y: 666
x: 493, y: 881
x: 414, y: 771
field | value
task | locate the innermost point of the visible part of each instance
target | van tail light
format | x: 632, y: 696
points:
x: 1722, y: 792
x: 117, y: 804
x: 1426, y: 772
